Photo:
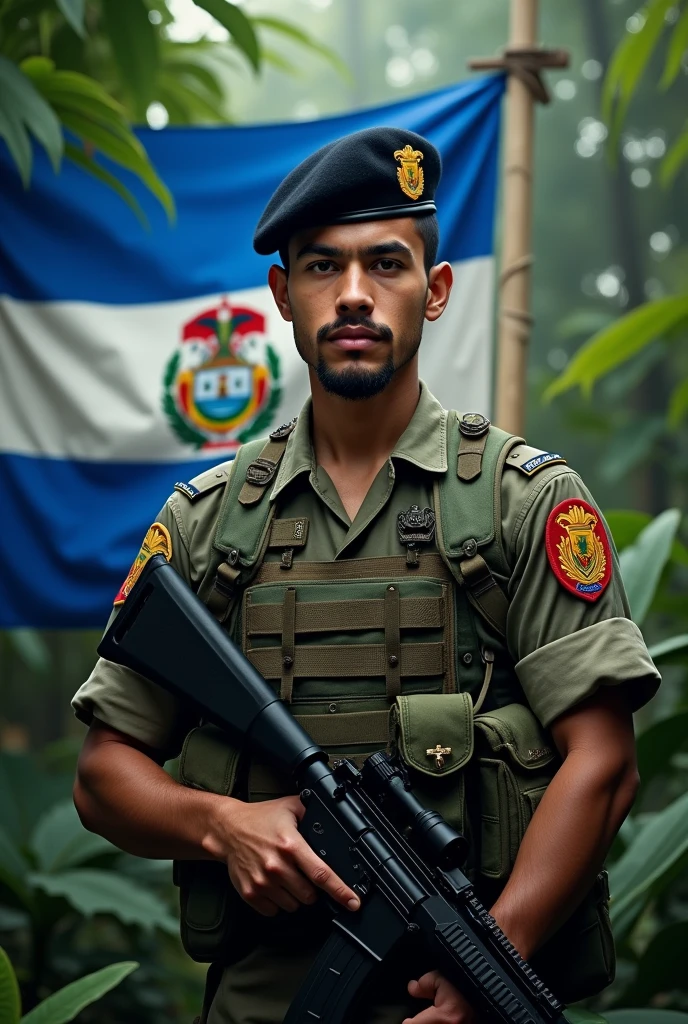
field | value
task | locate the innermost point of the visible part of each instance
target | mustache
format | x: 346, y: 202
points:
x: 382, y: 330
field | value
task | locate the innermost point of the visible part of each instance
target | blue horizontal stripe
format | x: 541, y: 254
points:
x: 70, y: 238
x: 70, y: 532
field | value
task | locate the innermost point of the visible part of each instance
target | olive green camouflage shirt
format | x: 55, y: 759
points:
x: 563, y: 647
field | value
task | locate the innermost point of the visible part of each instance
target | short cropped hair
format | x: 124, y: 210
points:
x: 426, y: 226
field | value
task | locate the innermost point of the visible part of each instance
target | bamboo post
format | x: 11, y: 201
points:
x: 523, y: 60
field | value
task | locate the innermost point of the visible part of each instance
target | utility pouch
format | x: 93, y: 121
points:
x: 209, y: 904
x: 516, y: 762
x: 433, y: 735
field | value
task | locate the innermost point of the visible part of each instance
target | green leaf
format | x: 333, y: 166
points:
x: 583, y: 322
x: 199, y: 73
x: 93, y: 891
x: 616, y: 344
x: 657, y: 745
x: 10, y: 1002
x: 666, y: 647
x: 22, y: 108
x: 63, y: 1006
x: 650, y: 863
x: 60, y: 840
x: 628, y: 64
x: 89, y: 165
x: 578, y: 1016
x: 626, y: 524
x: 678, y: 404
x: 31, y: 648
x: 286, y: 28
x: 678, y: 45
x: 74, y: 11
x: 674, y: 160
x: 237, y: 24
x: 134, y: 42
x: 662, y: 967
x: 642, y: 563
x: 198, y: 106
x: 646, y: 1016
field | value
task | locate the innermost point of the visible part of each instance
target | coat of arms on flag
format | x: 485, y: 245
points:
x: 222, y: 385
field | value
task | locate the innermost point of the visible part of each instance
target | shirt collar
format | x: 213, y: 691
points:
x: 424, y: 442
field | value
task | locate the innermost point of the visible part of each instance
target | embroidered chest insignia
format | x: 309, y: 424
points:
x: 410, y: 175
x: 156, y: 542
x: 578, y: 548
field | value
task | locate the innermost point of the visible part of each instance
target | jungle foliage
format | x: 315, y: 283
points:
x: 92, y: 68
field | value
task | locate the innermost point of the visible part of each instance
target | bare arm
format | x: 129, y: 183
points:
x: 575, y: 824
x: 123, y: 793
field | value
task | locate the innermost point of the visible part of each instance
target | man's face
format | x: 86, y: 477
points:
x: 357, y: 295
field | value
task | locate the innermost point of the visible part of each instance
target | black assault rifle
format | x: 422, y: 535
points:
x: 356, y: 821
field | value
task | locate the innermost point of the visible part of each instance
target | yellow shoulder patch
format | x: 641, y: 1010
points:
x: 156, y: 542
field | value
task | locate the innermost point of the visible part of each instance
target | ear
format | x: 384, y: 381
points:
x: 277, y: 279
x: 440, y: 281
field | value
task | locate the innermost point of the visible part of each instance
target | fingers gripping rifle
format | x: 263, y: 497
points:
x: 358, y: 822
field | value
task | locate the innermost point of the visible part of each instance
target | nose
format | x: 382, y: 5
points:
x: 354, y: 292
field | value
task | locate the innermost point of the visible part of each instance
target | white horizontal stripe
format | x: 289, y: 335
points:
x: 82, y: 380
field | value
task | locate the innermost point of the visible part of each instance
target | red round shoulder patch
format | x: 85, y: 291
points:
x: 578, y: 548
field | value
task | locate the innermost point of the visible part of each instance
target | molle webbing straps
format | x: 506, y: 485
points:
x: 288, y: 644
x: 325, y: 616
x: 392, y: 621
x: 350, y: 661
x: 262, y: 470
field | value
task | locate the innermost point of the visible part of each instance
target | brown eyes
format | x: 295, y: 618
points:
x: 325, y: 266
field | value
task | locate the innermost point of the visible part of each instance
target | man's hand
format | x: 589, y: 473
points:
x: 270, y: 864
x: 449, y: 1006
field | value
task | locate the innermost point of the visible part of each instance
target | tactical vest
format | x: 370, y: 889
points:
x: 344, y: 642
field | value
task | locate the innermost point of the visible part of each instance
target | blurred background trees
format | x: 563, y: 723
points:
x: 607, y: 388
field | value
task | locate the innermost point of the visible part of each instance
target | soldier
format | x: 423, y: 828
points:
x: 380, y: 552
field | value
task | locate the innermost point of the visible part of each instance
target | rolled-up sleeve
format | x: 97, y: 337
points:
x: 125, y: 700
x: 565, y: 647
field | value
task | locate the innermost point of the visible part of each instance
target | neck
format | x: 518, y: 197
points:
x: 365, y: 431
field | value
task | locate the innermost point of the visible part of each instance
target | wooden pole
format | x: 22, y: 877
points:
x: 524, y: 61
x: 514, y: 289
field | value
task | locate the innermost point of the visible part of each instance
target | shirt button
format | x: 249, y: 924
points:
x: 467, y: 658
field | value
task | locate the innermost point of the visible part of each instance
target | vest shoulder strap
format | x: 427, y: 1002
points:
x: 468, y: 503
x: 244, y: 520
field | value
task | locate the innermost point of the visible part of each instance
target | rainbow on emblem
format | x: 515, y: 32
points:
x: 222, y: 385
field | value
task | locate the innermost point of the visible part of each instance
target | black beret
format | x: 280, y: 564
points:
x: 371, y: 175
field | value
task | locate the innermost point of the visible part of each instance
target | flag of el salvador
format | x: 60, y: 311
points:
x: 130, y: 359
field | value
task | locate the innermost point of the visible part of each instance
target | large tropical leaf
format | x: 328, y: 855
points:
x: 646, y: 1016
x: 286, y: 28
x: 74, y: 11
x: 657, y: 746
x: 678, y: 44
x: 237, y: 24
x: 666, y: 648
x: 31, y: 648
x: 60, y: 840
x: 674, y: 160
x: 651, y: 862
x: 10, y: 1003
x: 14, y: 868
x: 92, y: 891
x: 63, y: 1006
x: 642, y: 563
x: 616, y: 344
x: 628, y: 64
x: 662, y: 967
x: 22, y: 111
x: 84, y: 107
x: 134, y: 42
x: 576, y: 1015
x: 626, y: 524
x: 678, y: 403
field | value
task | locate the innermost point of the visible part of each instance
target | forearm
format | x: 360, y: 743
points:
x: 563, y: 849
x: 129, y: 799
